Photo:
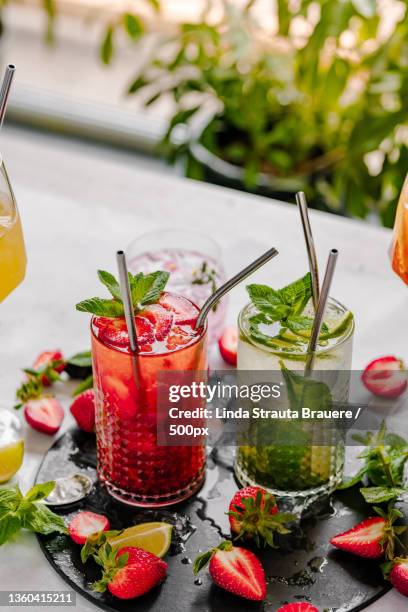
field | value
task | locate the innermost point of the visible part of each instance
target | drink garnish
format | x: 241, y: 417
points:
x: 145, y: 289
x: 27, y: 511
x: 285, y: 307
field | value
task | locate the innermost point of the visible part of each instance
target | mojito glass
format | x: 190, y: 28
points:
x: 133, y: 467
x: 296, y: 468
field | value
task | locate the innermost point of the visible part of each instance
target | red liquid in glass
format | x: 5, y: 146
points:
x: 131, y: 464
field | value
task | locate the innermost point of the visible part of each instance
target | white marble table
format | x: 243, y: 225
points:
x: 78, y: 206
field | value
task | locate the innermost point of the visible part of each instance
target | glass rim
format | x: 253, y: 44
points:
x: 200, y: 336
x: 171, y: 230
x: 269, y: 349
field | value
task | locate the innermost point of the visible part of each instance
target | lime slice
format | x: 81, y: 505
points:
x: 11, y: 458
x: 153, y: 537
x: 339, y: 327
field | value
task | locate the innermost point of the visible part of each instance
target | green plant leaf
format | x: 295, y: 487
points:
x: 81, y: 360
x: 106, y: 49
x: 40, y: 491
x: 110, y: 283
x: 88, y: 383
x: 379, y: 495
x: 101, y: 307
x: 133, y: 26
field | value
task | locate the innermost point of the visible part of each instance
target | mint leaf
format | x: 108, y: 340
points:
x: 353, y: 480
x: 266, y: 299
x: 297, y: 323
x: 146, y: 288
x: 40, y: 491
x: 40, y: 519
x: 101, y: 307
x: 82, y: 360
x: 110, y: 283
x: 379, y: 495
x: 297, y: 294
x: 9, y: 526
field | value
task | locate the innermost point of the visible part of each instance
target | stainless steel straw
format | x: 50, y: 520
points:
x: 318, y: 319
x: 127, y: 299
x: 5, y: 90
x: 235, y: 280
x: 311, y: 251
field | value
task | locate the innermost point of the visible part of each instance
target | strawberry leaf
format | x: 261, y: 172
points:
x: 84, y: 385
x: 201, y: 561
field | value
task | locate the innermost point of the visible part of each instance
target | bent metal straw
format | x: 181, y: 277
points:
x: 232, y: 282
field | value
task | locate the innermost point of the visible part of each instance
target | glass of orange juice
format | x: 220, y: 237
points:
x: 12, y: 249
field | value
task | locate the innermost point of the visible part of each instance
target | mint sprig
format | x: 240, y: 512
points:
x: 18, y: 511
x: 284, y: 306
x: 144, y: 288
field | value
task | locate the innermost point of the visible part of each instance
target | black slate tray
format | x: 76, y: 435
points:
x: 307, y: 568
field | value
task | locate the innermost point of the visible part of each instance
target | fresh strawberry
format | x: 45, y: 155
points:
x: 301, y: 606
x: 399, y: 575
x: 373, y: 538
x: 228, y: 344
x: 161, y: 319
x: 83, y: 410
x: 114, y: 331
x: 130, y: 572
x: 185, y: 312
x: 385, y: 377
x: 234, y: 569
x: 85, y: 524
x: 253, y: 513
x: 49, y: 364
x: 44, y: 414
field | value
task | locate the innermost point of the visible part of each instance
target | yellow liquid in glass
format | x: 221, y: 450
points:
x: 12, y: 250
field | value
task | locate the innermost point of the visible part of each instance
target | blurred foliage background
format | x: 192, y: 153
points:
x: 316, y: 101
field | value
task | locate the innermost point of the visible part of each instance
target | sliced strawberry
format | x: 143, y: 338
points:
x: 301, y: 606
x: 234, y: 569
x: 370, y: 538
x: 52, y: 360
x: 253, y: 513
x: 44, y: 414
x: 83, y: 410
x: 385, y: 377
x: 228, y: 344
x: 161, y: 319
x: 85, y: 524
x: 399, y: 575
x: 131, y: 577
x: 185, y: 312
x: 114, y: 331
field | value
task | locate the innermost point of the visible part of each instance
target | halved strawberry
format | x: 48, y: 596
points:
x: 300, y: 606
x: 83, y: 410
x: 228, y: 344
x: 234, y: 569
x: 130, y: 572
x: 44, y: 414
x: 87, y: 523
x: 385, y: 377
x: 161, y: 319
x: 399, y: 575
x: 253, y: 513
x: 372, y: 538
x: 185, y: 312
x: 46, y: 362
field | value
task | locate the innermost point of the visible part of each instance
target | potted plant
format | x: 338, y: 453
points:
x: 320, y: 104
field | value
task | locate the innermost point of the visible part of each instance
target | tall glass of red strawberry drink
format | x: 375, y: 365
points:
x: 132, y: 465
